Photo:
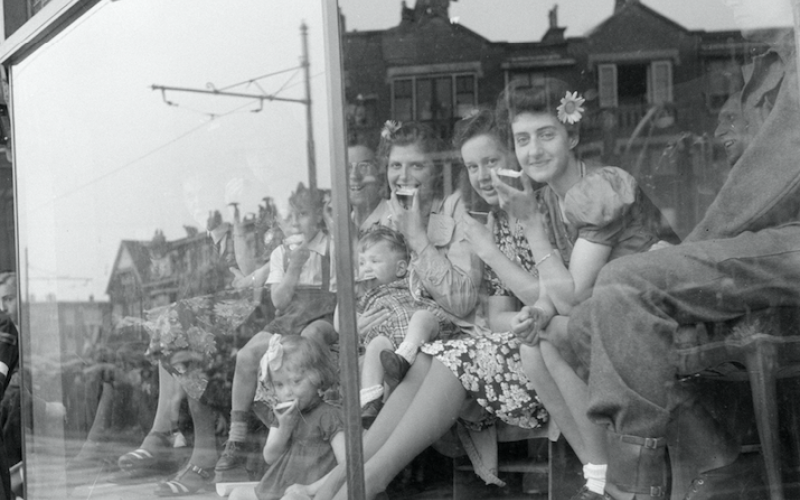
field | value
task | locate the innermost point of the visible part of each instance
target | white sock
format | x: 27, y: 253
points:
x: 595, y: 476
x: 408, y: 351
x: 369, y: 394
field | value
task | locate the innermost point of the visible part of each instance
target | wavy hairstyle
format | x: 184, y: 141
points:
x: 421, y: 135
x: 542, y: 97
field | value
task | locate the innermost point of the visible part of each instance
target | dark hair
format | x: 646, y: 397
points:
x: 406, y: 134
x: 396, y: 241
x: 302, y: 354
x: 311, y: 199
x: 542, y: 97
x: 483, y: 122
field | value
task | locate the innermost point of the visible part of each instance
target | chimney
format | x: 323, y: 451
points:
x: 554, y: 34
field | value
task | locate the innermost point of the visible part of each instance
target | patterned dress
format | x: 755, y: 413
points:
x: 605, y: 207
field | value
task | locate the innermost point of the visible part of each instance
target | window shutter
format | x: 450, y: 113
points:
x: 607, y: 84
x: 660, y: 82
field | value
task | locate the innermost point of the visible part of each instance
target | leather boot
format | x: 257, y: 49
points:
x: 638, y: 466
x: 697, y: 443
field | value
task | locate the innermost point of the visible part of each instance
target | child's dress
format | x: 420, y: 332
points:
x: 309, y: 456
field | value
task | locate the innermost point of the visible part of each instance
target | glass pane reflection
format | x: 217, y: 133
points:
x: 147, y: 219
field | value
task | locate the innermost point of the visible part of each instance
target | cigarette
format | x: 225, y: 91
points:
x: 509, y: 173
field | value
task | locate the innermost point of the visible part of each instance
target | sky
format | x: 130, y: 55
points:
x: 526, y: 20
x: 103, y: 158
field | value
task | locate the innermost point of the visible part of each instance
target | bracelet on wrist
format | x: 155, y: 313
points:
x: 540, y: 261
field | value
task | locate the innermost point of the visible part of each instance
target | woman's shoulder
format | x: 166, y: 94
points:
x: 603, y: 195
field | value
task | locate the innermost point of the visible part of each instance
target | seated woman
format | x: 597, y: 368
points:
x: 590, y: 215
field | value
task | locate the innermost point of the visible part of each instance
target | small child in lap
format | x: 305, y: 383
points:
x: 413, y: 319
x: 306, y: 439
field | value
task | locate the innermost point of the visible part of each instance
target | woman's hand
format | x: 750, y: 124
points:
x: 520, y: 204
x: 479, y: 236
x: 528, y: 323
x: 366, y: 322
x: 409, y: 221
x: 239, y: 279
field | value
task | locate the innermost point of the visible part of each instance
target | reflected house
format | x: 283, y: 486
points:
x: 654, y: 88
x: 154, y: 273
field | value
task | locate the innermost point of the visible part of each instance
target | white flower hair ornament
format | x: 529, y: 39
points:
x: 571, y: 108
x: 273, y: 359
x: 390, y: 128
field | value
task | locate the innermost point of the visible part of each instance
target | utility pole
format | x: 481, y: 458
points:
x: 312, y: 165
x: 304, y: 63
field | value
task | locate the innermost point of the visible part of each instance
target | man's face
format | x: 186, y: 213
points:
x: 757, y: 18
x: 8, y: 299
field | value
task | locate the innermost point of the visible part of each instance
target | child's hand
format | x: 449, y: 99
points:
x: 299, y: 256
x: 478, y: 235
x: 288, y: 417
x: 527, y: 324
x: 299, y: 491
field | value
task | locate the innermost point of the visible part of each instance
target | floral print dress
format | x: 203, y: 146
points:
x: 488, y: 364
x: 605, y: 207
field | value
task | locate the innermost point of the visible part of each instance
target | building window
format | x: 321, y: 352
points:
x: 634, y: 84
x: 607, y: 85
x: 438, y: 100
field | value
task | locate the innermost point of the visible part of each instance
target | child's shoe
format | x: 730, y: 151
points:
x: 395, y: 368
x: 370, y: 412
x: 232, y: 465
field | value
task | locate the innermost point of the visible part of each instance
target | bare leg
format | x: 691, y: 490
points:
x: 422, y: 328
x: 168, y: 388
x: 245, y: 375
x: 372, y: 371
x: 576, y: 395
x: 383, y: 426
x: 553, y: 399
x: 204, y: 454
x: 433, y: 411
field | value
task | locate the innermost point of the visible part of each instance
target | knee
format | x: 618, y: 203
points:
x: 248, y: 356
x: 321, y: 332
x: 378, y: 344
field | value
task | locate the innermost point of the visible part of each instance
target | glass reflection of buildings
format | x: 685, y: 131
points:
x: 654, y: 88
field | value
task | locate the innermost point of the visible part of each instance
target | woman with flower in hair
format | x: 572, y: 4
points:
x: 582, y: 218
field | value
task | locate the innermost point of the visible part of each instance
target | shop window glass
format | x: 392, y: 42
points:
x: 153, y: 189
x: 148, y: 196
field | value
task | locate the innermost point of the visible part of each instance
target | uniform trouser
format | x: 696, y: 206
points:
x: 639, y: 302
